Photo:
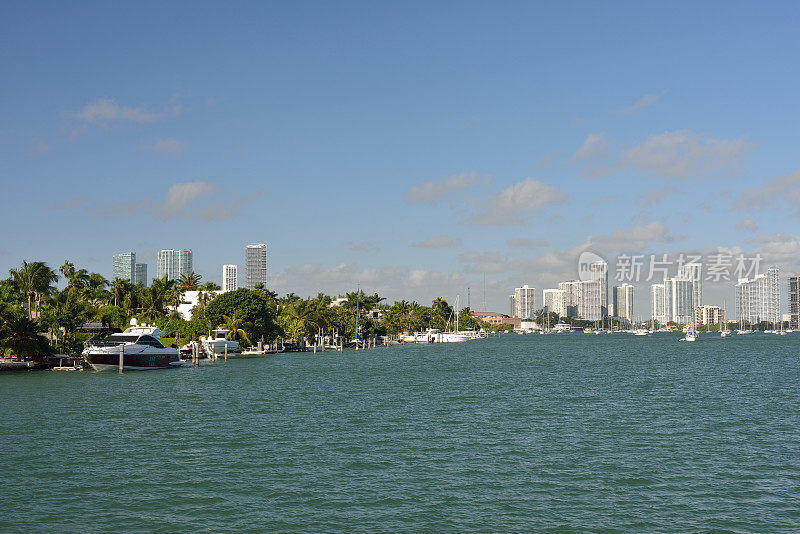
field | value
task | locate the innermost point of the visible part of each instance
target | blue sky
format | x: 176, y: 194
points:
x: 408, y: 147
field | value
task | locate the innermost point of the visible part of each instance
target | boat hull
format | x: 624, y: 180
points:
x: 133, y: 362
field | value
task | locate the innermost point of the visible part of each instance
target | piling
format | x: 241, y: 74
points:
x: 226, y: 352
x: 121, y: 357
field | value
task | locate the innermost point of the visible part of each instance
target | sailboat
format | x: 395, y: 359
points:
x: 455, y: 336
x: 724, y: 330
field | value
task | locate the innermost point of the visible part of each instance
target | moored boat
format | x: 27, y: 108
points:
x: 140, y: 346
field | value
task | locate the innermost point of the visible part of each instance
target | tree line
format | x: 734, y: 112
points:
x: 37, y: 318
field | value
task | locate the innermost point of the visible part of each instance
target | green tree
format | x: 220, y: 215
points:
x: 64, y: 313
x: 189, y: 281
x: 254, y: 309
x: 236, y: 324
x: 21, y: 335
x: 34, y: 279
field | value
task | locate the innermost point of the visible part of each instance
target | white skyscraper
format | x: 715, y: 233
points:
x: 694, y: 273
x: 554, y: 301
x: 230, y: 277
x: 659, y: 311
x: 600, y: 270
x: 174, y: 263
x: 525, y: 302
x: 679, y: 300
x: 623, y: 301
x: 759, y: 299
x: 255, y: 265
x: 583, y: 298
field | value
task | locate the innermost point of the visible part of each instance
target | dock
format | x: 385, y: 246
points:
x: 15, y: 365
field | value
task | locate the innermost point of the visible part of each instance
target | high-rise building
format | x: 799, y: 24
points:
x: 794, y: 301
x: 140, y: 274
x: 525, y: 302
x: 255, y: 265
x: 230, y: 277
x: 124, y: 266
x: 694, y: 273
x: 174, y: 263
x: 678, y: 300
x: 583, y: 299
x: 554, y: 302
x: 623, y: 301
x: 707, y: 315
x: 758, y: 299
x: 659, y: 311
x: 600, y: 270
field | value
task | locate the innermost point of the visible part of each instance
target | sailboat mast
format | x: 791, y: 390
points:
x: 358, y: 297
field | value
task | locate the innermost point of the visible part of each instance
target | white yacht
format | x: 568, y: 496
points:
x: 141, y: 350
x: 216, y: 343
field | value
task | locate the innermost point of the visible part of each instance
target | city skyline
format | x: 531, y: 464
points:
x: 492, y: 157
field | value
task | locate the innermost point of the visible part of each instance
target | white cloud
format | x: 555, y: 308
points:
x: 656, y: 195
x: 181, y: 196
x: 682, y: 154
x: 643, y: 103
x: 522, y: 242
x: 784, y: 187
x: 746, y: 225
x: 595, y: 146
x: 187, y: 200
x: 512, y: 205
x: 673, y: 155
x: 444, y: 241
x: 633, y: 239
x: 106, y: 111
x: 169, y: 146
x: 432, y: 191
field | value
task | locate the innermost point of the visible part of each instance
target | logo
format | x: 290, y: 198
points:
x: 591, y: 266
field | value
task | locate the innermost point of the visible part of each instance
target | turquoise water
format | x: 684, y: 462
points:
x: 565, y: 433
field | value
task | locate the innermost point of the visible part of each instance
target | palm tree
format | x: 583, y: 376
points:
x: 68, y: 269
x: 155, y: 297
x: 79, y: 280
x: 64, y: 311
x: 441, y: 311
x: 34, y: 279
x: 189, y: 281
x: 234, y: 323
x: 21, y: 335
x: 303, y: 319
x: 119, y: 288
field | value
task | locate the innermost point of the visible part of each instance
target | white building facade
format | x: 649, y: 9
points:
x: 230, y: 278
x: 583, y: 299
x: 174, y: 263
x: 678, y: 300
x: 554, y: 301
x: 758, y: 299
x: 525, y: 302
x: 694, y: 273
x: 659, y: 310
x: 623, y: 302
